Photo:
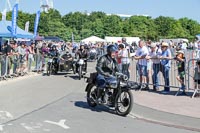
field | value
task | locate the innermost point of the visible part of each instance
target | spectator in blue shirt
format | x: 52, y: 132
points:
x: 165, y: 65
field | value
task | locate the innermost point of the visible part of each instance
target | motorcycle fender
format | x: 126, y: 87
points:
x: 125, y: 88
x: 88, y: 87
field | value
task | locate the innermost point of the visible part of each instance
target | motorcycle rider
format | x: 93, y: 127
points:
x: 82, y: 54
x: 106, y: 68
x: 54, y: 54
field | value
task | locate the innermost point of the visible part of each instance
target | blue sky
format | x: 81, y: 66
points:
x: 154, y: 8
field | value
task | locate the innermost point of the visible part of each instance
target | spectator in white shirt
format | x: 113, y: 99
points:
x: 141, y: 54
x: 123, y: 54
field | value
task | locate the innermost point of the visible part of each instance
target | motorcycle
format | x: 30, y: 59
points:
x: 66, y: 63
x: 117, y: 95
x: 51, y: 66
x: 81, y: 67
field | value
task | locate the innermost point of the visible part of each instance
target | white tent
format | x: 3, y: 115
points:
x: 117, y: 39
x: 92, y: 39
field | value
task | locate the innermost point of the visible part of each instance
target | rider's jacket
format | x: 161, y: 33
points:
x: 107, y: 66
x: 82, y: 53
x: 53, y: 53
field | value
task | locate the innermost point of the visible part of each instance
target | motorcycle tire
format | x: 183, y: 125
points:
x: 126, y: 102
x: 74, y: 69
x: 80, y: 72
x: 91, y: 95
x: 49, y: 69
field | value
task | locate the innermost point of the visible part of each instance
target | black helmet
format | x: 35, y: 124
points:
x: 54, y: 46
x: 123, y: 39
x: 111, y: 48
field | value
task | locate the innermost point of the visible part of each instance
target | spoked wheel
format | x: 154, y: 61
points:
x: 91, y: 95
x: 49, y: 69
x: 80, y: 72
x: 73, y: 68
x: 124, y: 103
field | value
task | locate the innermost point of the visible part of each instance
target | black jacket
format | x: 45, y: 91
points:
x: 107, y: 66
x: 82, y: 54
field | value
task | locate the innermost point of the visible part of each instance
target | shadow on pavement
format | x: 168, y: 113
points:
x: 98, y: 108
x: 172, y: 93
x: 75, y: 77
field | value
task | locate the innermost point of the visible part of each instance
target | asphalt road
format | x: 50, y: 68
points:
x: 57, y: 104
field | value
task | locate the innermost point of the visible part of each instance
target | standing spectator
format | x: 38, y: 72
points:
x: 15, y: 59
x: 38, y: 57
x: 10, y: 57
x: 30, y: 55
x: 123, y: 54
x: 5, y: 66
x: 181, y: 69
x: 165, y: 65
x: 119, y: 61
x: 141, y: 54
x: 155, y: 52
x: 44, y: 53
x: 22, y: 55
x: 197, y: 75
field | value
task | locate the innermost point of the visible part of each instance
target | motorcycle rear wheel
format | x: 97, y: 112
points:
x: 124, y: 103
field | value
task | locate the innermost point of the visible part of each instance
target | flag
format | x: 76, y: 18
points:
x: 27, y: 26
x: 37, y: 19
x: 14, y: 19
x: 4, y: 14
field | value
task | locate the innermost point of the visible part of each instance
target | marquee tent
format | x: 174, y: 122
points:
x: 118, y: 39
x: 92, y: 39
x: 5, y: 31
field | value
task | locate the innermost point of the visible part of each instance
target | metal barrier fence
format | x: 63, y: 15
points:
x: 11, y: 67
x: 191, y: 56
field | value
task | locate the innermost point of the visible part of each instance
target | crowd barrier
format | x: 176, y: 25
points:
x: 10, y: 67
x: 191, y: 57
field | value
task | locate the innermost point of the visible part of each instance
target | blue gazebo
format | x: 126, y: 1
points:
x: 5, y: 31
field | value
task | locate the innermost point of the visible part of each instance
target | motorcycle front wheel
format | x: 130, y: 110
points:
x: 80, y: 72
x: 124, y: 102
x: 91, y: 95
x: 49, y: 69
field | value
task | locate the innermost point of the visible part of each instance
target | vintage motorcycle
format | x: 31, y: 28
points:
x: 116, y: 94
x: 51, y: 65
x: 61, y: 64
x: 81, y: 67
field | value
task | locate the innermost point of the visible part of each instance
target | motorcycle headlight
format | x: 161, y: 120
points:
x: 113, y: 84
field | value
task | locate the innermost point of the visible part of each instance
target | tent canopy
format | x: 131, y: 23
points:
x: 4, y: 32
x: 92, y: 39
x: 118, y: 39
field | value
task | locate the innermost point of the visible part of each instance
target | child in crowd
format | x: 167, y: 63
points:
x: 181, y: 69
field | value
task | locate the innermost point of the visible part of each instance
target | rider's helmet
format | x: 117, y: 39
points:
x: 54, y: 47
x: 123, y: 39
x: 82, y: 46
x: 111, y: 48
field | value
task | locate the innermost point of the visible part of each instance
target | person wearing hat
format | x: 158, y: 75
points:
x: 181, y: 69
x: 155, y: 52
x: 165, y: 64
